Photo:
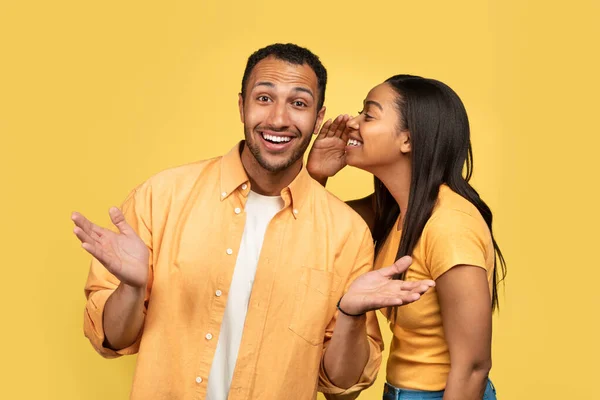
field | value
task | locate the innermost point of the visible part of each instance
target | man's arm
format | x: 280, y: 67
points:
x: 124, y: 316
x: 348, y: 353
x: 353, y: 345
x: 118, y: 283
x: 353, y: 354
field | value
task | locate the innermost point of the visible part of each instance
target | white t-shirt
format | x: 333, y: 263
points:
x: 259, y: 212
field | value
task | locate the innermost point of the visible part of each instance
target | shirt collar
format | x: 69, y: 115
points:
x: 234, y: 177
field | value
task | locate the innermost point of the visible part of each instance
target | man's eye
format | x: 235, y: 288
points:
x: 263, y: 98
x: 299, y: 103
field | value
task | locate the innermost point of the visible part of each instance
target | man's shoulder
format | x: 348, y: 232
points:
x: 340, y: 214
x: 182, y: 176
x: 184, y: 172
x: 346, y: 231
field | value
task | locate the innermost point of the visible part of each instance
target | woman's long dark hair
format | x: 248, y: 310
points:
x: 440, y: 147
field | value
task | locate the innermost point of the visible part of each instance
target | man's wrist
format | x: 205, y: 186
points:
x: 349, y: 313
x: 132, y: 291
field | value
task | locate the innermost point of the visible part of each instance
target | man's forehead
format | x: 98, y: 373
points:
x: 280, y: 72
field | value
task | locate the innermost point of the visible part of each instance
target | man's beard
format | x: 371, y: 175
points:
x: 255, y: 150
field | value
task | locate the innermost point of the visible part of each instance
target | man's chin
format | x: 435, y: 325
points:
x: 274, y: 167
x: 275, y: 161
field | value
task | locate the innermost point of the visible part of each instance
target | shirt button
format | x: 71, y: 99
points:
x: 223, y: 194
x: 237, y: 210
x: 244, y: 186
x: 218, y: 293
x: 198, y: 380
x: 208, y: 336
x: 229, y: 251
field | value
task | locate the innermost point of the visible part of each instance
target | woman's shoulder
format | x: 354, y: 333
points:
x: 451, y: 209
x: 450, y: 202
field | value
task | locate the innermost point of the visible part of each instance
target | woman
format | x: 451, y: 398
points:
x: 413, y: 136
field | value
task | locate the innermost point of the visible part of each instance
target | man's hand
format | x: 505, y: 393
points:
x: 377, y: 289
x: 123, y: 254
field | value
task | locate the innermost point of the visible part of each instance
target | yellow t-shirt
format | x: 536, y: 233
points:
x: 456, y: 234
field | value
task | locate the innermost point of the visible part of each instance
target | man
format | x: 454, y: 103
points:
x: 225, y: 274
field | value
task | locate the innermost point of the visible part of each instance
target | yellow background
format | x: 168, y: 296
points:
x: 97, y: 96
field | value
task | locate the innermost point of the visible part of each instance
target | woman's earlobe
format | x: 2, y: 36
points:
x: 406, y: 146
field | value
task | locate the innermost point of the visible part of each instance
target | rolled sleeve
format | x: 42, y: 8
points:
x: 369, y: 374
x: 93, y: 326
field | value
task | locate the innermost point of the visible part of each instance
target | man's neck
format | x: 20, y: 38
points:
x: 266, y: 182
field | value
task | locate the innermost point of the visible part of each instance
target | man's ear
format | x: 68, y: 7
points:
x: 241, y: 106
x: 320, y: 119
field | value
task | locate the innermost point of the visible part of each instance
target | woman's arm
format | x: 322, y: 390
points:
x: 466, y: 309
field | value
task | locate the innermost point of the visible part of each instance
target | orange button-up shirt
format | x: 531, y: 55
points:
x: 192, y: 219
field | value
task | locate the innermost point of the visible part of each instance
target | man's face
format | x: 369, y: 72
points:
x: 279, y: 112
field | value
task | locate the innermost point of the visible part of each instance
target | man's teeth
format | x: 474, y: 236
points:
x: 277, y: 139
x: 353, y: 142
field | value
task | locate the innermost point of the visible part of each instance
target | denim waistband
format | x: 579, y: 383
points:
x: 391, y: 392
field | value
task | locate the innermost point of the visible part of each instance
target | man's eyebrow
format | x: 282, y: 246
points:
x: 263, y: 83
x: 305, y: 90
x: 272, y: 85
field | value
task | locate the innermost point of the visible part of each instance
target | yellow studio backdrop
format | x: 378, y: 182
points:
x: 95, y: 97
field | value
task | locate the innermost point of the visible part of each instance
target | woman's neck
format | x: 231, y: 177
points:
x: 397, y: 179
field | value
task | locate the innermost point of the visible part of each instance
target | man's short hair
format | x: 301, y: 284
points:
x: 292, y: 54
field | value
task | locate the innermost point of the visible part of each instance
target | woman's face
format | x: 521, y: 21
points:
x: 375, y: 137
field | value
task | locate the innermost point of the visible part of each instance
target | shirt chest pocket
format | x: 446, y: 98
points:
x: 313, y: 304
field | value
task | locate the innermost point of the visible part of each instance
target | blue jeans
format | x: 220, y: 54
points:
x: 393, y: 393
